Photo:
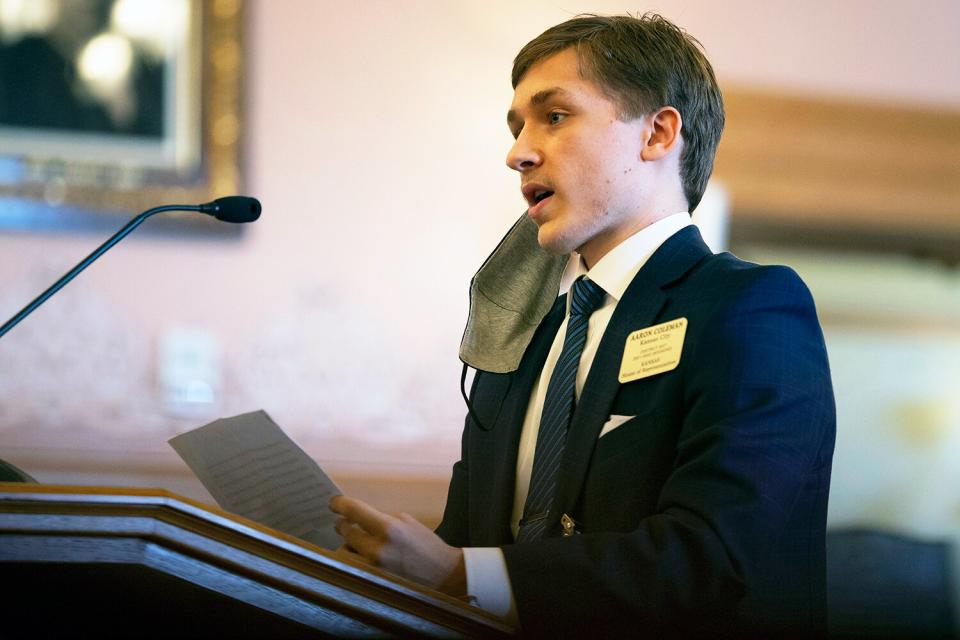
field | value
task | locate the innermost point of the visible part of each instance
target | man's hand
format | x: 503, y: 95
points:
x: 400, y: 544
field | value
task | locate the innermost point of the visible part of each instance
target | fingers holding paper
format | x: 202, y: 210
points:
x: 363, y: 529
x: 400, y: 544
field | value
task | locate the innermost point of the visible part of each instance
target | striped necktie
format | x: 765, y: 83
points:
x: 558, y: 405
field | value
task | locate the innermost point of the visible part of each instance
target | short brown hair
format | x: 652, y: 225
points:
x: 644, y: 63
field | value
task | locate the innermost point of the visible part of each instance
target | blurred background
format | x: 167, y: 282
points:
x: 373, y: 132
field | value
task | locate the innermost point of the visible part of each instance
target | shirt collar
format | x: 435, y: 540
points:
x: 615, y: 271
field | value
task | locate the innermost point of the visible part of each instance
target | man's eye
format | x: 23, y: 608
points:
x: 555, y: 117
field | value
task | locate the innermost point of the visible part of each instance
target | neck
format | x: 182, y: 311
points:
x: 602, y: 244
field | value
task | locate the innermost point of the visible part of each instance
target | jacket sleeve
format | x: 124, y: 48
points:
x: 453, y: 527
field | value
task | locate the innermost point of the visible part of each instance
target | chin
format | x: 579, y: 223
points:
x: 561, y: 239
x: 554, y: 243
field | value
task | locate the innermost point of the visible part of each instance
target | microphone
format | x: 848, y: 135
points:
x: 236, y: 209
x: 233, y: 209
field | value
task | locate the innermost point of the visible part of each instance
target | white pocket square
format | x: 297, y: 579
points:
x: 613, y: 423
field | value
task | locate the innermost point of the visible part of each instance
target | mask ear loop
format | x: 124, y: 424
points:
x: 463, y: 392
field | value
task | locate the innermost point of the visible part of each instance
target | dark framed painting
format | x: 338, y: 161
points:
x: 117, y: 106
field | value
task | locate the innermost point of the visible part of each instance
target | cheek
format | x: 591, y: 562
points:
x: 588, y: 176
x: 599, y: 174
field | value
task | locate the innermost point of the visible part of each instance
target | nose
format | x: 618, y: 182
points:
x: 523, y: 155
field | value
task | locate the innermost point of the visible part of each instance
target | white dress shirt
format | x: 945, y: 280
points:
x: 487, y: 578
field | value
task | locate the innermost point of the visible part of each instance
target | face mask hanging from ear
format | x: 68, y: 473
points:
x: 510, y: 295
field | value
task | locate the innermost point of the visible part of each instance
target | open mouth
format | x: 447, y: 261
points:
x: 535, y: 193
x: 540, y: 196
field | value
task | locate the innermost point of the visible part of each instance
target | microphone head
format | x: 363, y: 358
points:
x: 234, y: 209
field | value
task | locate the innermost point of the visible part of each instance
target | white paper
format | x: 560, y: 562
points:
x: 252, y: 468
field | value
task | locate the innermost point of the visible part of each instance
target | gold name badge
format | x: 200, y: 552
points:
x: 653, y: 350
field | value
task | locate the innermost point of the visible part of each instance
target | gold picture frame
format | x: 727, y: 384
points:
x: 194, y: 159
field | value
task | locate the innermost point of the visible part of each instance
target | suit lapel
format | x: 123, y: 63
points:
x: 509, y: 424
x: 640, y: 307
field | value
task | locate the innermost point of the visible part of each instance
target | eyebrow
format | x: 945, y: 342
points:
x: 538, y: 99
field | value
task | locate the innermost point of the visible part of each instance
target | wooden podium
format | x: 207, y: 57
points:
x: 104, y: 562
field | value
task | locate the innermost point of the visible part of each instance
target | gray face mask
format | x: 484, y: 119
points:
x: 509, y: 297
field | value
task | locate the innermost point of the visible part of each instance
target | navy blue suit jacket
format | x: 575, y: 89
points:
x: 703, y: 515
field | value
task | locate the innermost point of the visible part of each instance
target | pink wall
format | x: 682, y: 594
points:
x: 375, y: 139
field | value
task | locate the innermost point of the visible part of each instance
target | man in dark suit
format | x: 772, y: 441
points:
x: 659, y: 461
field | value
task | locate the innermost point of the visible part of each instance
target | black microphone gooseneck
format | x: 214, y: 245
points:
x: 228, y: 209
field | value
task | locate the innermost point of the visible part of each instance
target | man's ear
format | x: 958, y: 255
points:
x: 665, y: 126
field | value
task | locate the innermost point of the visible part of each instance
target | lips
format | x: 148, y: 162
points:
x: 536, y: 194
